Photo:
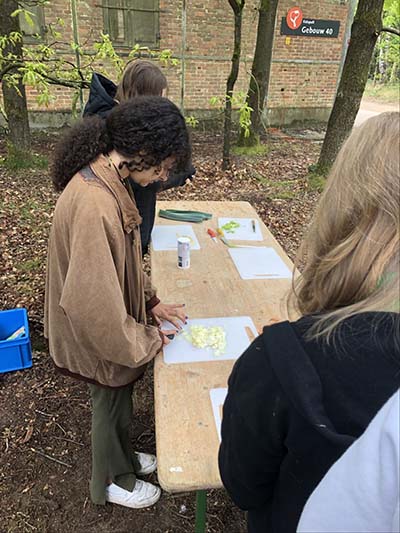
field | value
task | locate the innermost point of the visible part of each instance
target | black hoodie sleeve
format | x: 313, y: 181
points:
x: 254, y: 425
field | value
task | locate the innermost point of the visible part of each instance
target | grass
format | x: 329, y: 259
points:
x: 30, y: 265
x: 27, y: 212
x: 258, y: 149
x: 316, y: 182
x: 279, y: 190
x: 386, y: 94
x: 21, y: 160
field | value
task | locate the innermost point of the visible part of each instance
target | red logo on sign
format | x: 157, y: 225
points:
x: 294, y: 18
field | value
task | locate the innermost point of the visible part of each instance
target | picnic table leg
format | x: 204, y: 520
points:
x: 201, y: 508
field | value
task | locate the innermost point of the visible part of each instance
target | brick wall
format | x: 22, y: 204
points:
x: 304, y: 69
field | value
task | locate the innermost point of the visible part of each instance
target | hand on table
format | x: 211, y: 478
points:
x: 174, y: 313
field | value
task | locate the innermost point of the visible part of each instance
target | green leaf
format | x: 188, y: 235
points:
x: 215, y: 100
x: 191, y: 121
x: 16, y: 12
x: 28, y: 18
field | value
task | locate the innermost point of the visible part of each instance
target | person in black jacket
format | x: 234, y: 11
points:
x: 140, y: 78
x: 304, y: 391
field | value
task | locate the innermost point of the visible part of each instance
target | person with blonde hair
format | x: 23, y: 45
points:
x: 140, y: 78
x: 305, y: 390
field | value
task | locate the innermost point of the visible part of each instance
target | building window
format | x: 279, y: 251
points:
x: 131, y: 22
x: 31, y: 32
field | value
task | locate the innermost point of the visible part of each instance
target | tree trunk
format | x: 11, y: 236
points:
x: 260, y: 70
x: 364, y: 32
x: 15, y: 106
x: 237, y: 6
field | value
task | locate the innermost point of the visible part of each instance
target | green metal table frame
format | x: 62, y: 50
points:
x: 201, y: 510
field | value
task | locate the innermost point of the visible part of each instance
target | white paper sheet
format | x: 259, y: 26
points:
x: 244, y: 232
x: 259, y: 263
x: 217, y: 397
x: 181, y: 350
x: 166, y: 237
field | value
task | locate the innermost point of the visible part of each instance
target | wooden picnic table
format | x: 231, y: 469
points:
x: 186, y: 436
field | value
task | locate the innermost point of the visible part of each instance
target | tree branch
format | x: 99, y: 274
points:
x: 236, y: 5
x: 67, y: 83
x: 395, y: 31
x: 8, y: 68
x: 73, y: 84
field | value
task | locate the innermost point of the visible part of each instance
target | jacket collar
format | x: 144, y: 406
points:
x: 106, y: 172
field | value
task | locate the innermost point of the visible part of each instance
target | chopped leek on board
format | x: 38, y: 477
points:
x: 213, y: 337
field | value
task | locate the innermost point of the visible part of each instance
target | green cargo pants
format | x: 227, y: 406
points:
x: 113, y: 458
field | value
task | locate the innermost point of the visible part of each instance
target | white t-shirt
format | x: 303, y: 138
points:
x: 361, y: 493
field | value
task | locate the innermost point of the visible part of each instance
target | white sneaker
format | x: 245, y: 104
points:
x: 148, y: 463
x: 143, y: 495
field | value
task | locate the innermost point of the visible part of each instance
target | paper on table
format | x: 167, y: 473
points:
x: 217, y: 397
x: 259, y: 263
x: 166, y: 237
x: 244, y: 232
x: 181, y: 350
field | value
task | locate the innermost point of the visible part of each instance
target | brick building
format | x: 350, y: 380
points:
x: 304, y: 70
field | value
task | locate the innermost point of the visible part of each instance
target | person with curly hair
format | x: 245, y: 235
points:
x: 97, y: 295
x: 140, y: 78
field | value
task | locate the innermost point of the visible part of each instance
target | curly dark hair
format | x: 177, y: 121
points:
x: 148, y: 128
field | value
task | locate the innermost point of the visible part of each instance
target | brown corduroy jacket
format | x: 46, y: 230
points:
x: 97, y: 294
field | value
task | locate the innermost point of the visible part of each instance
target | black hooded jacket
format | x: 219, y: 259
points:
x: 294, y: 406
x: 100, y: 102
x: 101, y: 96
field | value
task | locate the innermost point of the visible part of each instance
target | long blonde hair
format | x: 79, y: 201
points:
x: 351, y: 253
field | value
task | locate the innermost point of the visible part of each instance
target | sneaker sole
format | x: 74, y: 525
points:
x: 149, y: 502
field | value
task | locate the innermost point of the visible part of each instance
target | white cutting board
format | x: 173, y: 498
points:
x: 259, y: 262
x: 217, y: 397
x: 244, y: 232
x: 181, y: 350
x: 166, y: 237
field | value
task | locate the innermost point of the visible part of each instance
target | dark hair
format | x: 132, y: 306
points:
x: 140, y: 78
x: 150, y: 128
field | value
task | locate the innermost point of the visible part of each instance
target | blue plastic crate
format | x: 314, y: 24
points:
x: 17, y: 353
